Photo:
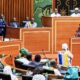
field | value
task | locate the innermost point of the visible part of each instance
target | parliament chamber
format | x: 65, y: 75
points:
x: 45, y: 40
x: 48, y: 38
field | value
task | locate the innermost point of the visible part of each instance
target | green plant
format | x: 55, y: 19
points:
x: 41, y: 8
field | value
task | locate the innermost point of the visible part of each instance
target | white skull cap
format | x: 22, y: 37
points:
x: 76, y: 8
x: 65, y: 46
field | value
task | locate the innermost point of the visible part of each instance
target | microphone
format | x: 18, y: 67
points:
x: 43, y: 52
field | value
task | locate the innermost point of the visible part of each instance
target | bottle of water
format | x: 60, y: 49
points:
x: 14, y: 71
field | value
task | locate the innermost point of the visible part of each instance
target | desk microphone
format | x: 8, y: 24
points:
x: 43, y: 52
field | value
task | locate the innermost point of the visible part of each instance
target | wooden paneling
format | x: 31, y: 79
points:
x: 38, y: 39
x: 63, y: 28
x: 75, y: 47
x: 53, y: 4
x: 12, y: 32
x: 33, y: 39
x: 10, y: 47
x: 16, y: 8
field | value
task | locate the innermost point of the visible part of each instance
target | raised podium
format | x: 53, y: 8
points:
x: 63, y: 31
x: 63, y: 28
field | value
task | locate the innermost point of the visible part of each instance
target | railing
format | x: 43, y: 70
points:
x: 9, y: 60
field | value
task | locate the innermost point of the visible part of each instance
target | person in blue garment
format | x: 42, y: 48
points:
x: 2, y: 20
x: 14, y: 23
x: 36, y: 62
x: 2, y: 25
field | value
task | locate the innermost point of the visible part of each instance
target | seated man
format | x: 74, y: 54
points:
x: 33, y: 24
x: 76, y: 13
x: 54, y: 67
x: 36, y: 61
x: 24, y: 56
x: 14, y: 23
x: 26, y: 22
x: 55, y: 13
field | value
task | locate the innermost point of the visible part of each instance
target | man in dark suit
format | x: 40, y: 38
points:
x: 2, y: 25
x: 36, y: 62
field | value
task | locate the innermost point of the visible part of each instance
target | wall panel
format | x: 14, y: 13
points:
x: 16, y: 8
x: 53, y: 4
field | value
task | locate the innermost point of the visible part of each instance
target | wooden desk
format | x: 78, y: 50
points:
x: 12, y: 32
x: 56, y: 77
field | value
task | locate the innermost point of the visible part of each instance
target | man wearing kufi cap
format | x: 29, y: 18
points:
x: 55, y: 13
x: 76, y: 13
x: 24, y: 52
x: 64, y: 46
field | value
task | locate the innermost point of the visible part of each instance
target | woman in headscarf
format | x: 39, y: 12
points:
x: 7, y: 70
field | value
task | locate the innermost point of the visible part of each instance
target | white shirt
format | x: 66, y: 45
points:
x: 34, y: 25
x: 23, y: 60
x: 27, y: 24
x: 55, y: 15
x: 38, y: 77
x: 7, y: 70
x: 75, y: 15
x: 57, y: 72
x: 15, y: 25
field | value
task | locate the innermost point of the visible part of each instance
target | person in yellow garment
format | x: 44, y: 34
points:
x: 67, y: 55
